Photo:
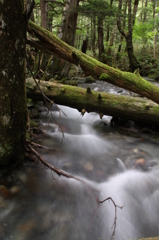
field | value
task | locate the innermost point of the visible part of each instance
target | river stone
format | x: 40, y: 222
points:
x: 4, y: 192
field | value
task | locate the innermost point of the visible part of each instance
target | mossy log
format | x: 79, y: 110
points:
x: 151, y: 238
x: 130, y: 81
x: 129, y: 108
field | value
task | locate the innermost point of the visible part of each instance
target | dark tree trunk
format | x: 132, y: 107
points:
x: 112, y: 40
x: 49, y: 19
x: 69, y: 30
x: 84, y: 45
x: 145, y: 11
x: 43, y: 14
x: 100, y: 38
x: 134, y: 64
x: 108, y: 25
x: 93, y: 35
x: 13, y: 110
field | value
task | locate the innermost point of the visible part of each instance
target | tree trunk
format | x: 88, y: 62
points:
x: 124, y: 107
x: 130, y: 81
x: 100, y: 38
x: 122, y: 36
x: 93, y: 35
x: 43, y: 14
x: 134, y: 64
x: 69, y: 30
x: 13, y: 110
x: 112, y: 40
x: 108, y: 25
x: 49, y: 17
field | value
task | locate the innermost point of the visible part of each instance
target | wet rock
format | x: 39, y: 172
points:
x: 27, y: 226
x: 14, y: 190
x: 88, y: 166
x: 140, y: 162
x: 4, y: 192
x: 23, y: 177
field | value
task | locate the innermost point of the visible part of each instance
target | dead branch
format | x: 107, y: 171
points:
x: 60, y: 172
x: 56, y: 170
x: 46, y: 99
x: 115, y: 218
x: 41, y: 146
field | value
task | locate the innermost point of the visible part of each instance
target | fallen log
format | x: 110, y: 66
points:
x: 129, y: 108
x: 130, y: 81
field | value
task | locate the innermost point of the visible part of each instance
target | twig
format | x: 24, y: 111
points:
x: 63, y: 173
x: 115, y: 218
x: 41, y: 146
x: 56, y: 170
x: 46, y: 99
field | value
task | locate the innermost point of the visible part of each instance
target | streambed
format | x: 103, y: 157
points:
x: 121, y: 163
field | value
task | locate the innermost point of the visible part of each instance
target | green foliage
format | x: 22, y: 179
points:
x: 37, y: 1
x: 142, y: 31
x: 97, y: 7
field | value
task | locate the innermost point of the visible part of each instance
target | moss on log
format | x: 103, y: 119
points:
x: 130, y: 81
x: 131, y: 108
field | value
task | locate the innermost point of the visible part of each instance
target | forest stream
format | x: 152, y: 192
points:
x: 120, y: 162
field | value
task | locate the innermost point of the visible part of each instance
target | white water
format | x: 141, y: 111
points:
x: 136, y: 191
x: 57, y: 208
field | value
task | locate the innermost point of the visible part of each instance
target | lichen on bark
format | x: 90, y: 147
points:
x: 13, y: 110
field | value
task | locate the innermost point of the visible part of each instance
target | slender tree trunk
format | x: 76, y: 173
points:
x: 112, y: 40
x: 145, y: 10
x: 43, y: 14
x: 154, y: 17
x: 49, y: 18
x: 122, y: 37
x: 134, y: 64
x: 69, y: 30
x: 93, y: 35
x: 100, y: 38
x: 108, y: 25
x: 67, y: 33
x: 13, y: 110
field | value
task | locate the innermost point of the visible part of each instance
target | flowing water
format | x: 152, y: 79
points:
x: 111, y: 162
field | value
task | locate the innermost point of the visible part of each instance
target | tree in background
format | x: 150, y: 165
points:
x: 69, y: 23
x: 13, y: 109
x: 43, y: 13
x: 97, y: 21
x: 134, y: 64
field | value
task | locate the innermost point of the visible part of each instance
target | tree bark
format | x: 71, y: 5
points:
x: 129, y: 108
x: 134, y: 64
x: 43, y: 14
x: 13, y: 110
x: 69, y: 30
x: 130, y: 81
x: 100, y: 38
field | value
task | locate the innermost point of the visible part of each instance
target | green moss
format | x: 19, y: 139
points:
x: 156, y: 109
x: 89, y: 79
x: 103, y: 76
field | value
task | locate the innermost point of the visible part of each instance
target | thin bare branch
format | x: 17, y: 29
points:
x: 47, y: 99
x: 41, y: 146
x: 115, y: 218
